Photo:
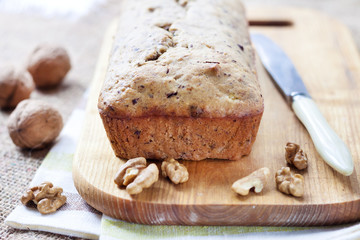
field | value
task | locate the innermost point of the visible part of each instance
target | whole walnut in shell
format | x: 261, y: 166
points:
x: 15, y: 86
x: 48, y: 65
x: 34, y: 124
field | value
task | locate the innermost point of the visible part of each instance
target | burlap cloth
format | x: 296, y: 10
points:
x: 20, y: 33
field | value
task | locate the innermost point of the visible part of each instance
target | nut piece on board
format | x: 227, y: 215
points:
x: 34, y: 124
x: 174, y: 170
x: 294, y: 155
x: 131, y: 174
x: 127, y: 172
x: 135, y: 175
x: 145, y: 179
x: 47, y: 198
x: 289, y: 183
x: 48, y: 65
x: 256, y: 180
x: 15, y: 86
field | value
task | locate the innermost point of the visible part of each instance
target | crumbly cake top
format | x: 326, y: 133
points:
x: 181, y: 58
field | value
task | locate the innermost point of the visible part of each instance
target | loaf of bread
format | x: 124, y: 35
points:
x: 181, y: 81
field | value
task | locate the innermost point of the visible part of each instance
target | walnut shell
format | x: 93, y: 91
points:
x: 15, y: 86
x: 48, y: 65
x: 34, y: 124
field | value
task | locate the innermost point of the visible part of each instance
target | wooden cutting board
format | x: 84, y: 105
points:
x: 326, y: 57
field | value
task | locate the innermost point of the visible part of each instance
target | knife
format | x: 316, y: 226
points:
x: 328, y: 144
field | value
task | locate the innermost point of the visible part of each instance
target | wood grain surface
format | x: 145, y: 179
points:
x: 326, y: 58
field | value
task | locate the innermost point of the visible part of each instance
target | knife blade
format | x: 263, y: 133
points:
x: 327, y: 143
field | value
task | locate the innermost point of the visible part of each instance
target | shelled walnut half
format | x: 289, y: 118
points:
x: 176, y: 171
x: 145, y: 179
x: 129, y: 170
x: 289, y: 183
x: 296, y: 156
x: 256, y: 180
x: 136, y: 176
x: 47, y: 198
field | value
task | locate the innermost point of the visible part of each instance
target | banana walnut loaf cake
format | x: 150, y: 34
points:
x: 181, y: 81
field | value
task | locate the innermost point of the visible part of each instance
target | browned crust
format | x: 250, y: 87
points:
x: 159, y: 137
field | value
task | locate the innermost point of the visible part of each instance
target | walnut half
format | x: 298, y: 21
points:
x: 145, y: 179
x: 256, y: 180
x: 129, y: 170
x: 174, y: 170
x: 295, y: 156
x: 136, y: 176
x: 47, y: 198
x: 289, y: 183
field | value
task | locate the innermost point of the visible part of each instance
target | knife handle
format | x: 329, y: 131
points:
x: 328, y: 144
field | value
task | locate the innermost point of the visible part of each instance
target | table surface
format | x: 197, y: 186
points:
x: 22, y: 30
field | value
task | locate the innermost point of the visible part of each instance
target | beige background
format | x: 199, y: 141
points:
x: 21, y: 32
